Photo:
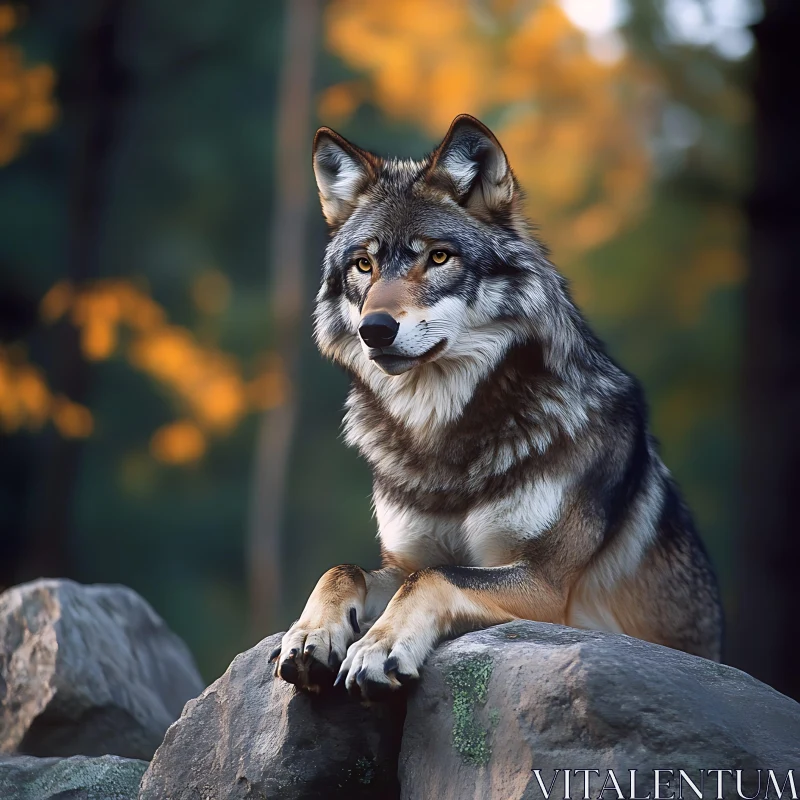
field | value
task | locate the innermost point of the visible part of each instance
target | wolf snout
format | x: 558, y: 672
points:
x: 378, y: 329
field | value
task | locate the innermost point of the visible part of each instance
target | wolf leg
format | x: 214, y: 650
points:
x: 344, y: 602
x: 439, y: 602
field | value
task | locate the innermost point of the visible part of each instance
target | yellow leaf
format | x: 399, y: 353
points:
x: 178, y: 443
x: 73, y: 420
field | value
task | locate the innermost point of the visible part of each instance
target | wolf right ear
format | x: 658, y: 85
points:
x: 342, y: 171
x: 472, y: 166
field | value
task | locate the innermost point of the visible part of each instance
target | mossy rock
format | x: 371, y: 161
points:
x: 76, y: 778
x: 495, y: 708
x: 469, y: 683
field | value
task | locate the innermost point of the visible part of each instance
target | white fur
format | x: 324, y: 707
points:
x: 494, y: 530
x: 486, y: 536
x: 413, y: 338
x: 351, y: 313
x: 343, y: 183
x: 461, y: 167
x: 435, y: 394
x: 431, y: 396
x: 424, y: 540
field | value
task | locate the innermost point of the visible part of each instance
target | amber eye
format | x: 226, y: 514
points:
x: 439, y: 256
x: 363, y: 265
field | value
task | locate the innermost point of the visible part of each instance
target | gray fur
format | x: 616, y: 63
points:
x: 519, y: 419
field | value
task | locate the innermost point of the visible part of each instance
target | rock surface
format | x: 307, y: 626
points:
x: 77, y: 778
x: 252, y: 736
x: 495, y: 705
x: 491, y: 708
x: 88, y: 670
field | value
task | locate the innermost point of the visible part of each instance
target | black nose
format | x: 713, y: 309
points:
x: 378, y: 330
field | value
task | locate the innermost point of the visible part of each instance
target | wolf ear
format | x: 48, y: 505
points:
x: 342, y: 171
x: 472, y: 166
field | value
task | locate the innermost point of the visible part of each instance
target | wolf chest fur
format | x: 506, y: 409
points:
x: 514, y: 475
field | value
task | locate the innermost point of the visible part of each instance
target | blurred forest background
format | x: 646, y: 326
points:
x: 166, y: 421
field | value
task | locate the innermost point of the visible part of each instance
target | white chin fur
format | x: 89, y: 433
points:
x: 427, y: 395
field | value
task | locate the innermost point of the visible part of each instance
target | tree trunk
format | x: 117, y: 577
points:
x: 88, y: 98
x: 289, y: 234
x: 765, y: 628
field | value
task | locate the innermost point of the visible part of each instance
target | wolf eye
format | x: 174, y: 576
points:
x: 363, y: 265
x: 439, y: 256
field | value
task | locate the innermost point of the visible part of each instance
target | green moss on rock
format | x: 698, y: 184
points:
x: 469, y: 683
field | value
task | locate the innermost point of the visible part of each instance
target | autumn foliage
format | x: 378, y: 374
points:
x: 578, y: 126
x: 26, y: 92
x: 205, y: 384
x: 575, y: 128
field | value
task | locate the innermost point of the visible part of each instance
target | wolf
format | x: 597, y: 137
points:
x: 514, y: 476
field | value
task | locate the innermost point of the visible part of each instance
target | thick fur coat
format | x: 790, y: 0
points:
x: 514, y: 475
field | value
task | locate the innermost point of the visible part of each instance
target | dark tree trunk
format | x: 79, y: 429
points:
x: 87, y: 97
x: 287, y: 266
x: 765, y: 628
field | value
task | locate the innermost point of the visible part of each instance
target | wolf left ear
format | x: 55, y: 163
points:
x: 342, y: 171
x: 472, y: 166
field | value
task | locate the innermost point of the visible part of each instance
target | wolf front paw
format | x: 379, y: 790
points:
x: 379, y: 664
x: 310, y: 653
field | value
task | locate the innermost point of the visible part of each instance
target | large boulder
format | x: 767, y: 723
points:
x: 250, y: 735
x: 495, y: 712
x: 494, y: 706
x: 77, y: 778
x: 88, y: 670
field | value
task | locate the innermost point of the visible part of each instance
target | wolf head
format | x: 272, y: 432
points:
x: 431, y: 263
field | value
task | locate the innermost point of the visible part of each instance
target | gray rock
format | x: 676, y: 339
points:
x: 77, y: 778
x: 88, y: 670
x: 495, y: 705
x: 252, y: 736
